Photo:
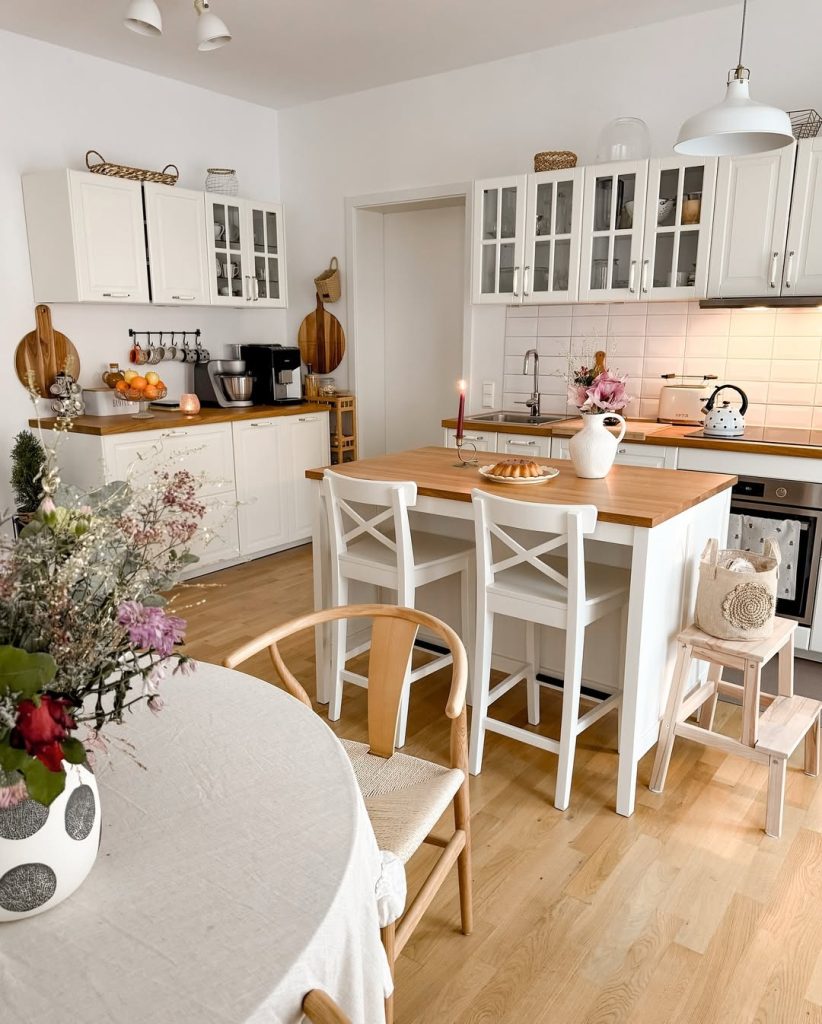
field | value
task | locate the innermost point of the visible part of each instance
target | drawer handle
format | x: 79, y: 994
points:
x: 522, y: 444
x: 116, y: 295
x: 261, y: 426
x: 308, y: 419
x: 183, y: 298
x: 175, y: 433
x: 622, y: 451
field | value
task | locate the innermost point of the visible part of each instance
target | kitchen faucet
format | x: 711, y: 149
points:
x: 533, y: 401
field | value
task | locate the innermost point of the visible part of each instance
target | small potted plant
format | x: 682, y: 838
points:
x: 599, y: 395
x: 27, y: 459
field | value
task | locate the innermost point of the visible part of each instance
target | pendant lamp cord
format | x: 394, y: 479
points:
x: 742, y: 33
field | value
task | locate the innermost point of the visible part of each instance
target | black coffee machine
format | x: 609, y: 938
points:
x: 276, y: 372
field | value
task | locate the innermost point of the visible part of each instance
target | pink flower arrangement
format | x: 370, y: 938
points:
x: 601, y: 394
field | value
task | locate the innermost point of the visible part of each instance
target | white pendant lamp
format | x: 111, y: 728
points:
x: 738, y: 125
x: 143, y: 17
x: 212, y: 32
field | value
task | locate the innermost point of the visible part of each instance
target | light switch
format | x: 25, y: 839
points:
x: 488, y: 392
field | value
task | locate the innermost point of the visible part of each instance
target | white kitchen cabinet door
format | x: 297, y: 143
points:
x: 206, y: 451
x: 265, y: 237
x: 803, y: 263
x: 524, y: 445
x: 109, y: 240
x: 613, y: 217
x: 217, y: 539
x: 753, y: 199
x: 306, y: 447
x: 677, y: 238
x: 652, y: 456
x: 262, y: 502
x: 485, y: 441
x: 229, y: 269
x: 499, y: 239
x: 553, y: 225
x: 175, y: 229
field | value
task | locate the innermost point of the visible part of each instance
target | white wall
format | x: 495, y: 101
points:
x: 490, y: 120
x: 57, y: 104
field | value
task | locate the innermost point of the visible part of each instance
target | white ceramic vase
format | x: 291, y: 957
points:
x: 593, y: 449
x: 46, y: 852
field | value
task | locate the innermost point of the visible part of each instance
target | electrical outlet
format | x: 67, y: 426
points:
x: 488, y: 394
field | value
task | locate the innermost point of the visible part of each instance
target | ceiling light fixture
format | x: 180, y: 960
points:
x: 738, y: 125
x: 143, y: 17
x: 212, y: 32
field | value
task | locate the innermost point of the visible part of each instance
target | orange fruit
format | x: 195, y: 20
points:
x: 121, y: 386
x: 138, y: 383
x: 150, y: 392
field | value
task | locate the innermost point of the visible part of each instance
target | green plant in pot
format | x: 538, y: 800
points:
x: 27, y: 459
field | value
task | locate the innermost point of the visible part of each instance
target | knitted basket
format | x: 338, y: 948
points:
x: 737, y: 605
x: 554, y: 160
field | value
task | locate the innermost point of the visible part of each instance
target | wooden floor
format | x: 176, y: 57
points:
x: 686, y: 912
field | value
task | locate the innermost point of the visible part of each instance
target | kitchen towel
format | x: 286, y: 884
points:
x: 750, y: 532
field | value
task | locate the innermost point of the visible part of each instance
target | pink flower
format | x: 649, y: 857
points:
x: 47, y: 505
x: 11, y: 796
x: 607, y: 394
x: 577, y: 395
x: 150, y: 628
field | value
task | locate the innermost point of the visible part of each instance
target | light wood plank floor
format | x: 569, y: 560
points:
x: 686, y: 912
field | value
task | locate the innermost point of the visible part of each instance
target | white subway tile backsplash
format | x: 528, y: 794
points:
x: 553, y: 326
x: 816, y: 422
x: 648, y: 387
x: 590, y: 327
x: 518, y: 346
x: 798, y: 322
x: 789, y: 416
x: 554, y: 347
x: 630, y: 365
x: 554, y: 404
x: 515, y: 312
x: 793, y: 369
x: 674, y: 325
x: 712, y: 325
x: 627, y: 308
x: 655, y: 367
x: 786, y: 393
x: 553, y: 384
x: 588, y: 309
x: 755, y: 415
x: 670, y: 346
x: 630, y: 325
x: 559, y: 310
x: 796, y: 348
x: 699, y: 346
x: 648, y: 408
x: 516, y: 383
x: 753, y: 322
x: 619, y: 347
x: 748, y: 369
x: 521, y: 327
x: 702, y: 365
x: 749, y: 347
x: 756, y: 390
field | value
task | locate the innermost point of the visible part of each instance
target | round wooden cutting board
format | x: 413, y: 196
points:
x: 43, y: 353
x: 321, y: 340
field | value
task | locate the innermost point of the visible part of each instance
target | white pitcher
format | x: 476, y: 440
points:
x: 593, y: 449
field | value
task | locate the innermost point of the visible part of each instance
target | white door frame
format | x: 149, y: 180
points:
x: 382, y: 202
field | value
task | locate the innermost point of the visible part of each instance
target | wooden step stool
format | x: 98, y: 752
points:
x: 770, y: 737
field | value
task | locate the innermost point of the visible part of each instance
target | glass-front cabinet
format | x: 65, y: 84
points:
x: 553, y: 221
x: 499, y: 237
x: 612, y: 231
x: 246, y: 252
x: 678, y: 218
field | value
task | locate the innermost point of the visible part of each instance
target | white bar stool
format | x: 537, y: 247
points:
x: 525, y: 584
x: 371, y: 541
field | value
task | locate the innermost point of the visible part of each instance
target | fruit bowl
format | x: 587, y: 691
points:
x: 143, y: 397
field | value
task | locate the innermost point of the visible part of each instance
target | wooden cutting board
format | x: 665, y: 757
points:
x: 43, y: 353
x: 321, y: 340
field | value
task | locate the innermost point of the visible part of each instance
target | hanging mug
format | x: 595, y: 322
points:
x: 158, y: 351
x: 137, y: 355
x: 171, y: 348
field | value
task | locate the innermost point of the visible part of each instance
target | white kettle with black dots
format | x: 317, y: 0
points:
x: 725, y: 420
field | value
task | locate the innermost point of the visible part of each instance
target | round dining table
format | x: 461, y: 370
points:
x: 237, y: 871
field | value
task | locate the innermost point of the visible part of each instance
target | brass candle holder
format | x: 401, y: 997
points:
x: 465, y: 460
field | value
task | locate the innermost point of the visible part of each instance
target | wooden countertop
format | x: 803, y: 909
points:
x: 632, y: 495
x: 102, y: 426
x: 651, y: 432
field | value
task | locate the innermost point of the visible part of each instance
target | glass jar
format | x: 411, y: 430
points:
x: 624, y: 138
x: 311, y: 385
x: 326, y: 387
x: 112, y: 375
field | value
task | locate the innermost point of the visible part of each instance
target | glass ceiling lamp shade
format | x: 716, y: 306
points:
x: 738, y: 126
x: 212, y: 32
x: 143, y: 17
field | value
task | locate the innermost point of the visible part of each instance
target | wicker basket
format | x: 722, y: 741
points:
x: 222, y: 180
x: 133, y: 173
x: 554, y: 160
x: 328, y: 283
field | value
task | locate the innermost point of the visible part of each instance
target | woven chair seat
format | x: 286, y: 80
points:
x: 405, y: 796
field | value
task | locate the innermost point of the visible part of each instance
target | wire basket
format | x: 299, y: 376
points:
x: 164, y: 177
x: 554, y: 160
x: 805, y: 124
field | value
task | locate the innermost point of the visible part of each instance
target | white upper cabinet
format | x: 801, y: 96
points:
x: 753, y: 199
x: 499, y: 239
x: 175, y: 229
x: 613, y: 216
x: 677, y: 235
x: 86, y: 237
x: 553, y: 220
x: 803, y: 263
x: 246, y: 252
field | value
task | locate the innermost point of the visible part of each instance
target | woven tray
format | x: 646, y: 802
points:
x: 133, y: 173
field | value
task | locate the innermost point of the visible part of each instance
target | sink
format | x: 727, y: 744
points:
x: 513, y: 417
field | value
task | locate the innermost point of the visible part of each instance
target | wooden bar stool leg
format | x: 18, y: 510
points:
x: 812, y: 749
x: 752, y: 678
x: 777, y: 770
x: 531, y: 679
x: 667, y: 729
x: 785, y: 674
x: 462, y: 820
x: 387, y: 935
x: 707, y: 711
x: 482, y: 683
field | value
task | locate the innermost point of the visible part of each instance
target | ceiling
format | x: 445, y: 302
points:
x: 287, y: 52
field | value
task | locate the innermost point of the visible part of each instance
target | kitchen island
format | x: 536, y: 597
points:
x: 653, y: 521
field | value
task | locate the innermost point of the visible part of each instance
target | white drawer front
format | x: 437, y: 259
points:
x: 524, y: 445
x: 206, y: 451
x: 629, y: 454
x: 486, y: 441
x: 217, y: 539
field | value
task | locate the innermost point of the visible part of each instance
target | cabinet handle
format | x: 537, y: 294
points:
x: 116, y: 295
x: 522, y: 444
x: 184, y: 298
x: 645, y: 275
x: 308, y: 419
x: 622, y: 451
x: 261, y: 426
x: 525, y: 290
x: 515, y: 283
x: 789, y: 268
x: 774, y: 260
x: 631, y: 276
x: 175, y: 433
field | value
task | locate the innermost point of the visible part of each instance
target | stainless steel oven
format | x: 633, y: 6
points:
x: 788, y: 499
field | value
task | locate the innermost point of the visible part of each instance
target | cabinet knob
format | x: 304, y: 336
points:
x: 622, y: 451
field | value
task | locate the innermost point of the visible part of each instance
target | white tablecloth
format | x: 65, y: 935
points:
x: 235, y: 873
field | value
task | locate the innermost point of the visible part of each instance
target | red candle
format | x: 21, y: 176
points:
x: 461, y: 413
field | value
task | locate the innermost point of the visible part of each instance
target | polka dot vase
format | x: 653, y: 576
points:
x: 46, y: 852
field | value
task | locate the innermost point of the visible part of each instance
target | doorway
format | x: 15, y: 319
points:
x: 409, y: 294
